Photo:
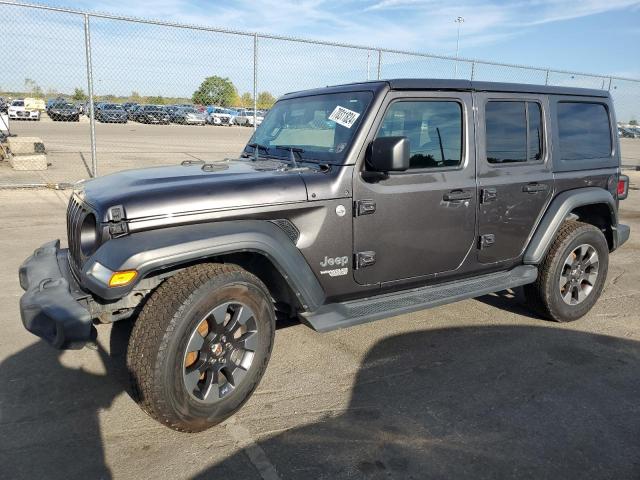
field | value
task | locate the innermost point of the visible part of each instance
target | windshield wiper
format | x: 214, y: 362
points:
x: 256, y: 148
x: 292, y: 151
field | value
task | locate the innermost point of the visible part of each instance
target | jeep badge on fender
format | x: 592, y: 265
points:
x: 426, y: 192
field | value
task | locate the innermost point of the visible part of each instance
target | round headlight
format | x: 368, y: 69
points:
x: 88, y: 235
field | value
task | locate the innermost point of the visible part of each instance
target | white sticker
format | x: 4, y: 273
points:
x: 344, y: 116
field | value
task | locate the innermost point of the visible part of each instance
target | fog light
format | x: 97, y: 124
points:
x: 120, y: 279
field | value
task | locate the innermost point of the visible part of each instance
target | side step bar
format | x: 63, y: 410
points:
x: 341, y: 315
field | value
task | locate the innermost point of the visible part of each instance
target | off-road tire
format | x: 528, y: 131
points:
x: 160, y: 334
x: 543, y: 296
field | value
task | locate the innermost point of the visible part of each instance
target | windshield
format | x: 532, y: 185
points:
x: 112, y: 106
x: 18, y: 103
x: 322, y: 126
x: 188, y: 110
x: 152, y: 109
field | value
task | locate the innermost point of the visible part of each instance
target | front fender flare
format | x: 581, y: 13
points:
x: 153, y: 250
x: 558, y: 211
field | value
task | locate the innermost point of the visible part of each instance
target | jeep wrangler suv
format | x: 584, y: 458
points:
x: 349, y: 204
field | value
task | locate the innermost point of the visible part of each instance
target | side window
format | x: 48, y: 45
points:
x: 584, y: 131
x: 513, y: 132
x: 434, y: 130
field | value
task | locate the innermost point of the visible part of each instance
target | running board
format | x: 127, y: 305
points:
x: 341, y: 315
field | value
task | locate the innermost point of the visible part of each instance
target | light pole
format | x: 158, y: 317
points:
x: 459, y: 21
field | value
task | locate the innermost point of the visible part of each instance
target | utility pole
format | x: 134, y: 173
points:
x: 459, y: 21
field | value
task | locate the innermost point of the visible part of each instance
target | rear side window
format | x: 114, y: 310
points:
x: 584, y: 130
x: 513, y: 131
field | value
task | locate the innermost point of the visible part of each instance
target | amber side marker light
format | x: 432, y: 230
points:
x: 120, y: 279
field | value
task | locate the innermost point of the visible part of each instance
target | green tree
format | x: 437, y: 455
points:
x: 79, y: 95
x: 157, y: 100
x: 32, y: 87
x: 246, y: 100
x: 266, y: 100
x: 633, y: 122
x: 216, y: 91
x: 135, y: 96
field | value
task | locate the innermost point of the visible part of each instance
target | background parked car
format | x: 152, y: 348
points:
x: 4, y: 105
x: 63, y: 112
x: 152, y: 114
x: 627, y: 133
x: 188, y: 115
x: 245, y: 117
x: 111, y: 113
x: 17, y: 111
x: 128, y: 106
x: 219, y: 116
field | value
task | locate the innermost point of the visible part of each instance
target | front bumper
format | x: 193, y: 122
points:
x: 50, y: 307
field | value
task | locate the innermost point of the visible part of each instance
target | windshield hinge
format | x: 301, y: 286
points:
x: 364, y: 207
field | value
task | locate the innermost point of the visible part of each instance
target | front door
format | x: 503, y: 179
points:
x: 422, y: 221
x: 514, y: 172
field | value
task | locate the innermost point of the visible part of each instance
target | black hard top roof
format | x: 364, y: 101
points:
x: 461, y: 85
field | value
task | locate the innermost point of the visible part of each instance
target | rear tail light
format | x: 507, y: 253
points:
x: 623, y: 187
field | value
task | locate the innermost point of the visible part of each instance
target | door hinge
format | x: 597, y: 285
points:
x: 364, y: 259
x: 487, y: 240
x: 489, y: 194
x: 364, y: 207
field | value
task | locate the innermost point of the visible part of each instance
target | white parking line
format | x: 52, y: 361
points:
x: 256, y: 454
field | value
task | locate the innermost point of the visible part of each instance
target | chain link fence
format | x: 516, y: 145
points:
x: 163, y: 92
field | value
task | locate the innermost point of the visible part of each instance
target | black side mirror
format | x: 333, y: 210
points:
x: 390, y: 154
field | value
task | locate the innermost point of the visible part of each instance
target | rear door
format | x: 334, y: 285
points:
x: 515, y: 176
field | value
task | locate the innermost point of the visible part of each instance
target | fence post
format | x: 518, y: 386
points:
x: 546, y: 78
x: 255, y: 80
x: 368, y: 65
x: 473, y: 69
x: 92, y: 123
x: 379, y: 63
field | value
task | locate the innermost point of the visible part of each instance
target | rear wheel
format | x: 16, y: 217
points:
x: 572, y: 275
x: 201, y: 345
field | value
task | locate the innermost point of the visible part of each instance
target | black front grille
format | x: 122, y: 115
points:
x: 76, y: 211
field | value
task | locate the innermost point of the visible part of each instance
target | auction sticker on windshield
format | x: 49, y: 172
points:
x: 344, y: 116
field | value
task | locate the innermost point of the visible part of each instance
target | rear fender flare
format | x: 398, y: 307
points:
x: 559, y: 209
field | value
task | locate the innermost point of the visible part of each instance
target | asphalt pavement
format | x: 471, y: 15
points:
x: 477, y: 389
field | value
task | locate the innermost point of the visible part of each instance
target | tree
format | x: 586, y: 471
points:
x: 265, y: 100
x: 32, y: 87
x: 135, y: 96
x: 79, y: 95
x: 216, y: 91
x: 633, y: 122
x: 157, y: 100
x: 246, y: 100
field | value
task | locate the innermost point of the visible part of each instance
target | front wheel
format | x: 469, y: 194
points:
x: 573, y: 273
x: 201, y: 345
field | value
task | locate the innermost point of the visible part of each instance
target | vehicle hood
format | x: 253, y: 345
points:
x: 182, y: 190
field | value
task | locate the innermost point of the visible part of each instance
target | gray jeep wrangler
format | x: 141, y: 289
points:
x: 349, y: 204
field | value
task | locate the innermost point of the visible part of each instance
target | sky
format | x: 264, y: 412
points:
x: 592, y: 36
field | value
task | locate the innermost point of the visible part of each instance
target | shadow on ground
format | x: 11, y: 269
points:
x: 481, y: 402
x: 469, y: 402
x: 58, y: 408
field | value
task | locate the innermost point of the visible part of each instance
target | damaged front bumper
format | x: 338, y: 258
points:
x: 52, y: 306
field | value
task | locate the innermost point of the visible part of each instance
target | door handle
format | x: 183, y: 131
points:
x: 457, y: 195
x: 535, y: 187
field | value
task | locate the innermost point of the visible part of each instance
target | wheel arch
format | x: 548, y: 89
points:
x: 259, y: 246
x: 592, y: 205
